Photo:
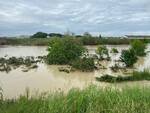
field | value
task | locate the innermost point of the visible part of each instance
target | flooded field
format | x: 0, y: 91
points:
x: 48, y: 78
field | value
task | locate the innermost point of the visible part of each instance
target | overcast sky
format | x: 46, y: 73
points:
x: 107, y: 17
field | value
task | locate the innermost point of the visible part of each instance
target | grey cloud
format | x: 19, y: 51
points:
x: 108, y: 17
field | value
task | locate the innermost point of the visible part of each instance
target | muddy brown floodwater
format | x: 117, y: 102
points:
x: 47, y: 77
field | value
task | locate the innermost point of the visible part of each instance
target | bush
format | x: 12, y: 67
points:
x: 55, y: 35
x: 114, y: 50
x: 128, y: 57
x: 90, y: 40
x: 139, y: 47
x: 136, y: 76
x: 63, y: 51
x: 102, y: 51
x: 84, y: 64
x: 39, y: 35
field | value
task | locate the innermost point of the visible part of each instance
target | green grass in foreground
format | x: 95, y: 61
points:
x: 90, y: 100
x: 136, y: 76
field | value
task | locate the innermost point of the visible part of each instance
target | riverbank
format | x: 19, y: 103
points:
x: 89, y: 100
x: 46, y: 41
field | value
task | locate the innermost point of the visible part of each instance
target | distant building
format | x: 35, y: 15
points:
x: 137, y: 36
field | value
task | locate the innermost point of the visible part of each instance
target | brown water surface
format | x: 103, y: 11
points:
x: 48, y: 78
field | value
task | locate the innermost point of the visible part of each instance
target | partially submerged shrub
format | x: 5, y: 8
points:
x: 128, y: 57
x: 136, y: 76
x: 83, y: 64
x: 5, y: 68
x: 115, y: 68
x: 102, y: 51
x: 62, y: 51
x: 111, y: 79
x: 114, y: 50
x: 138, y: 47
x: 7, y: 64
x: 144, y: 75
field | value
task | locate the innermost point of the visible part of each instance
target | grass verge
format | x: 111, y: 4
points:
x: 89, y: 100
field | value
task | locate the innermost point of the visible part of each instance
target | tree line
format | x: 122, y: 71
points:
x: 59, y: 35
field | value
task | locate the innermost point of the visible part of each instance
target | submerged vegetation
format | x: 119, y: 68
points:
x: 84, y: 64
x: 128, y: 57
x: 138, y: 47
x: 136, y: 76
x: 103, y: 52
x: 26, y: 63
x: 114, y: 50
x: 89, y: 100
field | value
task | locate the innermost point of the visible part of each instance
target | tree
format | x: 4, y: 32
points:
x: 128, y: 57
x: 138, y: 47
x: 39, y: 35
x: 63, y: 51
x: 87, y: 34
x: 100, y: 36
x: 101, y: 51
x: 55, y: 35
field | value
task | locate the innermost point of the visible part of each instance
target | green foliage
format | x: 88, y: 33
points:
x: 100, y: 36
x: 63, y: 51
x: 90, y: 41
x: 29, y: 62
x: 114, y: 50
x: 102, y: 51
x: 55, y: 35
x: 29, y: 41
x: 113, y: 41
x: 136, y: 76
x: 84, y: 64
x: 139, y: 47
x: 87, y: 34
x: 90, y: 100
x: 39, y: 35
x: 45, y: 41
x: 128, y: 57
